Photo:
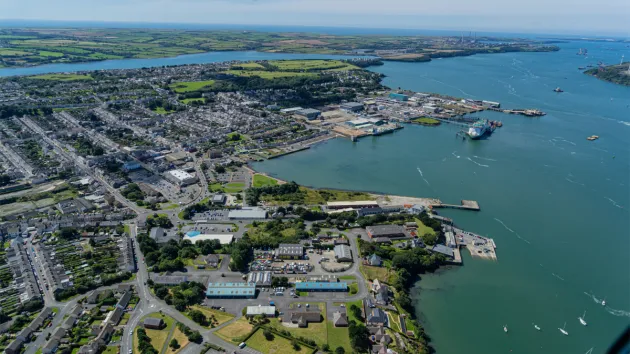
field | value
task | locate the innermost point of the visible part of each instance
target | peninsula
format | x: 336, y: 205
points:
x: 36, y: 46
x: 617, y: 74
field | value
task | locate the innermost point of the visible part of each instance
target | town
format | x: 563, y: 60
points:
x: 132, y: 222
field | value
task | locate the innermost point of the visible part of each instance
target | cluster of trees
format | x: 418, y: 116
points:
x: 288, y: 191
x: 169, y: 107
x: 5, y: 180
x: 144, y: 343
x: 85, y: 147
x: 270, y: 234
x: 193, y: 336
x: 159, y: 220
x: 10, y: 111
x: 133, y: 192
x: 359, y: 336
x: 168, y: 257
x: 181, y: 296
x: 83, y: 285
x: 241, y: 254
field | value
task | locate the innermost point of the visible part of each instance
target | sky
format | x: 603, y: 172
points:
x: 585, y: 17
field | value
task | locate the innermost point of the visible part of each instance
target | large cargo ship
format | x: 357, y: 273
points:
x: 479, y: 129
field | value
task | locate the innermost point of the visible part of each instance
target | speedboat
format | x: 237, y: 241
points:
x: 536, y: 326
x: 505, y: 328
x: 582, y: 321
x: 563, y: 331
x: 604, y: 302
x: 558, y: 89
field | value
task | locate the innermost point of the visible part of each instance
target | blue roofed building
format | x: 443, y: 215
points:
x: 240, y: 290
x: 321, y: 286
x: 131, y: 165
x: 398, y: 96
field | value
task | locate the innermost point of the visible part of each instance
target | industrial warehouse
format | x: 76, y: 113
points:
x: 321, y: 286
x: 231, y: 291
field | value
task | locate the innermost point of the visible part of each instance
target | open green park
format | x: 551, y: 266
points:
x: 158, y: 337
x: 61, y: 77
x: 426, y: 121
x: 262, y: 180
x: 189, y: 86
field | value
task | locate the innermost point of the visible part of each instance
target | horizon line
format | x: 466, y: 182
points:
x: 505, y: 31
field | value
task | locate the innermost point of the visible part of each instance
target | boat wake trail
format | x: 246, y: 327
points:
x: 619, y: 313
x: 614, y: 203
x: 557, y: 276
x: 595, y: 300
x: 512, y: 231
x: 453, y: 153
x: 483, y: 158
x: 572, y: 181
x: 422, y: 175
x: 476, y: 163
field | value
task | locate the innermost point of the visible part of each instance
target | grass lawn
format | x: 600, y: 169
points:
x: 45, y: 53
x: 315, y: 331
x: 235, y: 331
x: 381, y: 273
x: 189, y: 100
x: 423, y: 229
x: 359, y: 304
x: 338, y: 337
x: 321, y: 196
x: 302, y: 293
x: 168, y: 206
x: 190, y: 86
x: 426, y: 121
x: 348, y: 277
x: 181, y: 339
x: 220, y: 317
x: 353, y: 288
x: 161, y: 110
x: 234, y: 187
x: 108, y: 350
x: 215, y: 187
x: 12, y: 52
x: 317, y: 64
x: 251, y: 66
x: 269, y: 75
x: 262, y: 180
x: 61, y: 77
x: 158, y: 337
x: 279, y: 345
x: 124, y: 319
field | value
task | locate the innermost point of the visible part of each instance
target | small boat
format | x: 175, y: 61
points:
x: 604, y: 301
x: 536, y: 326
x: 582, y: 67
x: 558, y: 89
x: 505, y: 328
x: 592, y: 137
x: 563, y: 331
x: 582, y: 321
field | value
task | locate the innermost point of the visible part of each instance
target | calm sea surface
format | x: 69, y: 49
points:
x: 556, y: 204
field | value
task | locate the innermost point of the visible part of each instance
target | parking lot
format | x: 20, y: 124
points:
x: 212, y: 215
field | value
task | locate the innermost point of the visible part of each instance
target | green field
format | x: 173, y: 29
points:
x: 269, y: 75
x: 278, y: 345
x: 190, y: 100
x: 234, y: 187
x: 426, y: 121
x: 190, y: 86
x: 12, y: 52
x: 311, y: 65
x: 423, y: 229
x: 315, y: 331
x: 158, y: 337
x: 321, y: 196
x: 262, y: 180
x: 61, y: 77
x: 161, y: 110
x: 219, y: 317
x: 45, y: 53
x: 250, y: 66
x: 338, y: 337
x: 235, y: 331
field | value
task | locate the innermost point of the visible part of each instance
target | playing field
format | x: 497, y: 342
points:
x: 262, y: 180
x: 278, y: 345
x: 234, y: 187
x: 235, y: 330
x: 190, y: 86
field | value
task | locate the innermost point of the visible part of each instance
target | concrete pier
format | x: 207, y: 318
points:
x: 466, y: 205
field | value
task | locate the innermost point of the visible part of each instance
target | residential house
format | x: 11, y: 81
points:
x: 153, y: 323
x: 375, y: 260
x: 376, y: 317
x: 340, y: 319
x: 303, y: 317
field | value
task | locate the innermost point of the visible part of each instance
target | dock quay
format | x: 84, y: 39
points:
x: 477, y: 245
x: 523, y: 112
x: 466, y: 205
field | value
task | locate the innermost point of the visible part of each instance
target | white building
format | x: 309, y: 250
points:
x: 180, y: 177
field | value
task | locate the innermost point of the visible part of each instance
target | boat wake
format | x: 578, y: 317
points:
x: 483, y: 158
x: 595, y: 300
x: 476, y: 163
x: 557, y: 276
x: 604, y: 150
x: 453, y: 153
x: 512, y: 231
x: 614, y: 203
x: 422, y: 175
x: 618, y: 313
x: 624, y: 123
x: 572, y: 181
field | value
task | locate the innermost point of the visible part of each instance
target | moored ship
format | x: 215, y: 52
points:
x: 479, y: 129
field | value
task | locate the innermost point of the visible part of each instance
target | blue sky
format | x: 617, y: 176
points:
x: 586, y: 17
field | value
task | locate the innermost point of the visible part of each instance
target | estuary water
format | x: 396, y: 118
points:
x: 556, y: 204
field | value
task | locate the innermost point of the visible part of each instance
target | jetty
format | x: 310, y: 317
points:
x: 477, y: 245
x: 466, y: 205
x: 523, y: 112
